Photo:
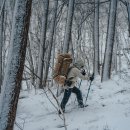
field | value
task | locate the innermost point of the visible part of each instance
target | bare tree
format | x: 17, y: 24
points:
x: 51, y: 35
x: 109, y: 41
x: 128, y: 10
x: 31, y: 63
x: 96, y: 38
x: 15, y: 64
x: 1, y: 40
x: 68, y: 26
x: 42, y: 45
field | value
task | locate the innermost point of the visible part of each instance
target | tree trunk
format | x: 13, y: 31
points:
x: 1, y: 41
x: 53, y: 57
x: 109, y: 41
x: 78, y: 42
x: 15, y: 64
x: 42, y: 43
x: 128, y: 10
x: 115, y: 51
x: 52, y: 29
x: 119, y: 63
x: 31, y: 63
x: 72, y: 49
x: 96, y: 38
x: 68, y: 26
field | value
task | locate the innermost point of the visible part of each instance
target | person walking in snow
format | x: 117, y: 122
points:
x: 73, y: 74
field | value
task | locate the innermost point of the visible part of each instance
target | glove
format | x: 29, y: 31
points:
x: 68, y: 83
x: 91, y: 77
x: 83, y: 72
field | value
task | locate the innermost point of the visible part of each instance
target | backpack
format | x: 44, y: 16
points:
x: 61, y: 68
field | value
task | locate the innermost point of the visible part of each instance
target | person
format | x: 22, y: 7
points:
x: 73, y: 74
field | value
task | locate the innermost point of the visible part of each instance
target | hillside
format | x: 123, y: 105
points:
x: 108, y: 108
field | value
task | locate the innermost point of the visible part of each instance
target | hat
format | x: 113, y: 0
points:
x: 79, y: 63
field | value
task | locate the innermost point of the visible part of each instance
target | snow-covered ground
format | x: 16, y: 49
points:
x: 109, y: 108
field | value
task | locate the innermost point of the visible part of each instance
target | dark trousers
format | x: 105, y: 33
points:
x: 67, y: 94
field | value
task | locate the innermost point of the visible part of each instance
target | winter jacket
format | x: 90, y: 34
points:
x: 74, y: 74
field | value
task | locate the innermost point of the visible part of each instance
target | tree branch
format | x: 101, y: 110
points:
x: 2, y: 7
x: 124, y: 2
x: 93, y: 2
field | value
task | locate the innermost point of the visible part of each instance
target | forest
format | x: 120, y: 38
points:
x: 34, y: 32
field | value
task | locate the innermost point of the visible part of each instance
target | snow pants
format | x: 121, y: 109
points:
x: 67, y: 94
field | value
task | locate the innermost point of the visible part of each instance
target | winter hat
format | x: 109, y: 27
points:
x: 79, y: 63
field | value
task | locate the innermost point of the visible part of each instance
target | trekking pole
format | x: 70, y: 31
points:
x: 88, y: 92
x: 89, y: 89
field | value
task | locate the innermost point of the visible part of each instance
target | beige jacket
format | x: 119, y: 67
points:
x: 74, y: 74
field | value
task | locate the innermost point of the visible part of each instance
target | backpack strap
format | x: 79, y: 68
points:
x: 68, y: 81
x: 70, y: 68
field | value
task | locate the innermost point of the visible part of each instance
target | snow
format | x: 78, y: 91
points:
x: 109, y: 108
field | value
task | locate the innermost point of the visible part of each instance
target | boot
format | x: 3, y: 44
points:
x: 81, y: 105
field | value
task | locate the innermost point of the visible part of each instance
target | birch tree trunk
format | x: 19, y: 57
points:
x: 1, y: 41
x: 15, y: 64
x: 42, y: 45
x: 96, y: 38
x: 109, y: 41
x: 68, y: 26
x: 52, y: 29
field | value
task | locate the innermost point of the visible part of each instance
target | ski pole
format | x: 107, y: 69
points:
x: 89, y: 88
x: 88, y: 92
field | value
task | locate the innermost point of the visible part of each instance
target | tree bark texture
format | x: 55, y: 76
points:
x: 128, y: 10
x: 15, y: 64
x: 1, y: 41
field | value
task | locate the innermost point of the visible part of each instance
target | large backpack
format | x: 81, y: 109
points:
x: 61, y: 68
